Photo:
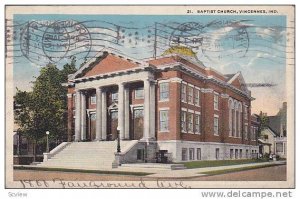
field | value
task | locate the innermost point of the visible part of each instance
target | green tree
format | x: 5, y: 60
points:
x: 45, y: 107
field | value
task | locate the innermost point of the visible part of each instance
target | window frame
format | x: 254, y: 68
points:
x: 197, y: 97
x: 216, y: 133
x: 93, y: 99
x: 190, y: 95
x: 183, y: 94
x: 183, y: 123
x: 162, y: 92
x: 216, y: 101
x: 140, y: 89
x: 165, y: 122
x: 197, y: 119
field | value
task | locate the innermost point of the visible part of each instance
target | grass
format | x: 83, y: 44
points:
x: 217, y: 163
x: 224, y: 171
x: 83, y: 171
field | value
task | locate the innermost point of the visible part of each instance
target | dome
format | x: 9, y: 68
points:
x: 180, y: 50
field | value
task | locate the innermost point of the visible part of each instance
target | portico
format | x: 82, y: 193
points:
x: 103, y: 88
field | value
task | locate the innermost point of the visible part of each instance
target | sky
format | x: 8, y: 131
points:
x: 254, y: 45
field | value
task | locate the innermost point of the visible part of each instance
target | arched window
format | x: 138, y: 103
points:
x: 230, y: 119
x: 239, y: 119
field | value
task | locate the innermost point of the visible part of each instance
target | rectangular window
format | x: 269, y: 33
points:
x: 198, y: 153
x: 190, y: 122
x: 164, y: 120
x: 279, y: 147
x: 93, y: 99
x: 216, y: 125
x: 183, y: 121
x: 183, y: 92
x: 192, y: 153
x: 164, y: 91
x: 197, y: 124
x: 184, y: 154
x: 190, y: 94
x: 241, y: 153
x: 246, y: 131
x: 217, y: 153
x: 114, y: 96
x: 236, y: 154
x: 139, y: 93
x: 74, y: 100
x: 197, y: 97
x: 247, y: 153
x: 216, y: 101
x: 246, y: 113
x: 140, y: 154
x: 231, y: 153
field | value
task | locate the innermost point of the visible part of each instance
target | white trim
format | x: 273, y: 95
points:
x: 164, y: 108
x: 191, y: 111
x: 184, y: 109
x: 207, y: 90
x: 197, y: 112
x: 224, y: 95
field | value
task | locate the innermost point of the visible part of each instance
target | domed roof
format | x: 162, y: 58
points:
x: 181, y: 50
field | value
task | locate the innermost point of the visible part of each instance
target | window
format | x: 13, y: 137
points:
x: 279, y: 147
x: 114, y: 96
x: 184, y: 154
x: 197, y: 123
x: 241, y: 153
x: 164, y: 91
x: 247, y: 153
x: 140, y: 154
x: 190, y: 94
x: 183, y: 92
x: 246, y: 131
x: 164, y: 120
x: 216, y: 125
x: 216, y: 101
x: 183, y: 121
x: 236, y: 154
x: 231, y: 153
x: 139, y: 93
x: 74, y: 100
x: 197, y: 97
x: 246, y: 113
x: 192, y: 153
x: 190, y: 122
x: 198, y: 153
x: 93, y: 99
x: 217, y: 153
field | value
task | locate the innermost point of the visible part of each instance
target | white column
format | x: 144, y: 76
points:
x: 146, y: 109
x: 126, y: 110
x: 83, y: 116
x: 104, y: 115
x: 77, y: 116
x: 121, y: 110
x: 152, y: 110
x: 99, y: 114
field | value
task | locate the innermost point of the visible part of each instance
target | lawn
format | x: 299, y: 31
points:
x: 224, y: 171
x: 216, y: 163
x: 84, y: 171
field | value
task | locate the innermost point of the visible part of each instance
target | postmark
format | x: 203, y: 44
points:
x: 50, y: 42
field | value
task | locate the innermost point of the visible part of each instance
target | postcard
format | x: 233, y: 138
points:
x: 158, y: 96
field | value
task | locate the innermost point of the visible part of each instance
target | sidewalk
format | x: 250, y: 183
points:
x: 185, y: 173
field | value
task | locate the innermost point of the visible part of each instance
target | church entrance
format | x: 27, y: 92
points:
x: 91, y: 135
x: 138, y: 124
x: 113, y: 125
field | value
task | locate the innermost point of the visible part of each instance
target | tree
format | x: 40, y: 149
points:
x: 45, y: 107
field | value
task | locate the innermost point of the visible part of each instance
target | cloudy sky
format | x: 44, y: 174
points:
x: 254, y: 45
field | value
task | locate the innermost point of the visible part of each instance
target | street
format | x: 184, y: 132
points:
x: 274, y: 173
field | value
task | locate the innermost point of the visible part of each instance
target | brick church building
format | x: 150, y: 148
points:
x: 172, y: 103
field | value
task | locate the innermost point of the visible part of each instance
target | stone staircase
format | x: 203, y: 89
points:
x: 85, y: 155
